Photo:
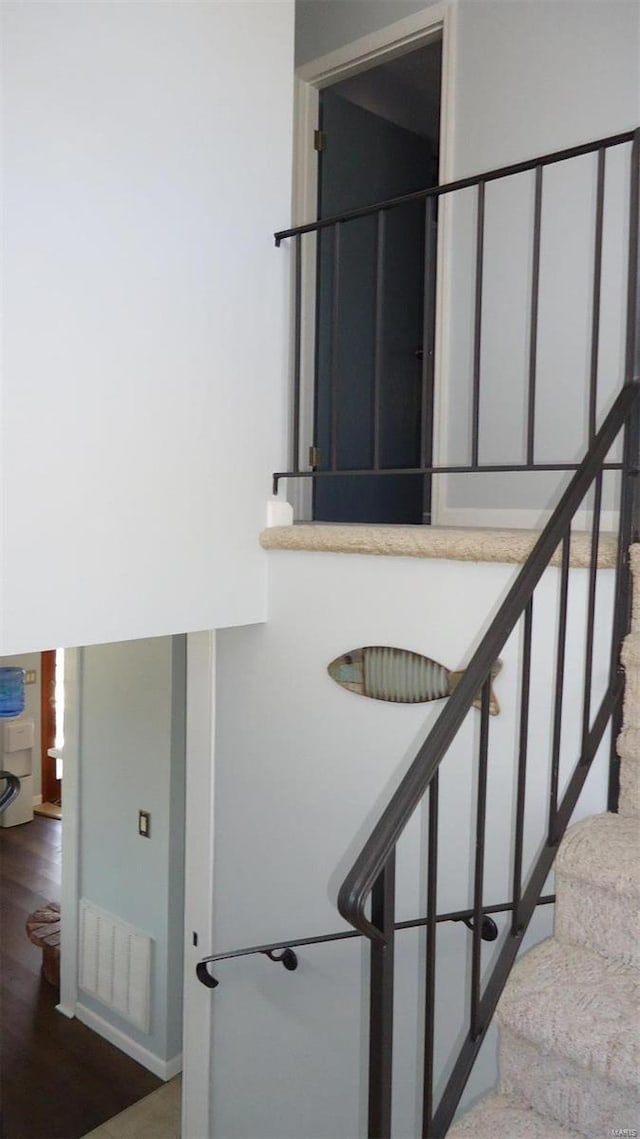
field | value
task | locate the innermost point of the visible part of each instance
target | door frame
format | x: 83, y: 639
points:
x: 200, y: 745
x: 49, y: 784
x: 397, y: 39
x: 197, y: 1004
x: 70, y: 873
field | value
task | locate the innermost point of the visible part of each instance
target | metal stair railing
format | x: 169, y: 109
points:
x: 283, y: 952
x: 367, y: 897
x: 371, y: 880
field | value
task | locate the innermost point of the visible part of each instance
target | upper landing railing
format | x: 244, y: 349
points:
x: 307, y: 287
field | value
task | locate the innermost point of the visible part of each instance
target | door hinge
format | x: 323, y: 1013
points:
x: 314, y: 456
x: 319, y: 140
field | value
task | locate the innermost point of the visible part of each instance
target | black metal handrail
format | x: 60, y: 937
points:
x: 459, y: 469
x: 358, y: 884
x: 422, y: 460
x: 488, y: 933
x: 372, y: 877
x: 11, y: 791
x: 459, y: 184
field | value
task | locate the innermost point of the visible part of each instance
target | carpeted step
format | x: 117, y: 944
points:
x: 569, y: 1039
x: 634, y: 564
x: 629, y: 753
x: 498, y: 1115
x: 628, y: 742
x: 630, y: 658
x: 598, y: 887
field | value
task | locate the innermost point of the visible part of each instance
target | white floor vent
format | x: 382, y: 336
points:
x: 115, y: 964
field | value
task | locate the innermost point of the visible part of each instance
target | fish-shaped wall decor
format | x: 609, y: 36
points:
x: 400, y: 676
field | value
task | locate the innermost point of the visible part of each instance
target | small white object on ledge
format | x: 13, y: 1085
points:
x: 279, y: 513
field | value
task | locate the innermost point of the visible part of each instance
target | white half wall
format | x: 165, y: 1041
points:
x: 303, y: 768
x: 147, y: 162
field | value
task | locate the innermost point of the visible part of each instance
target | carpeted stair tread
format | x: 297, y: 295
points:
x: 603, y: 851
x: 598, y: 887
x: 634, y: 563
x: 569, y: 1016
x: 629, y: 804
x: 571, y: 1002
x: 561, y: 1090
x: 499, y: 1115
x: 630, y: 652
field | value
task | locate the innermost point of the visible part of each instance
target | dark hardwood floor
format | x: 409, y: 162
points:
x: 58, y: 1080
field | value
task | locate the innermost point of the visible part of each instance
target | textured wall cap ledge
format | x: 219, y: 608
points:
x: 468, y: 545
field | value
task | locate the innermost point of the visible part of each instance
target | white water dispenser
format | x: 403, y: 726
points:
x: 17, y: 739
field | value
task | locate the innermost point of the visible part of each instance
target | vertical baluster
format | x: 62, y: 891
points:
x: 381, y: 1004
x: 559, y: 690
x: 297, y: 347
x: 522, y: 768
x: 477, y: 334
x: 591, y: 610
x: 481, y: 811
x: 629, y: 509
x: 533, y: 320
x: 430, y: 987
x: 629, y: 523
x: 595, y: 303
x: 335, y: 330
x: 378, y: 348
x: 428, y: 350
x: 632, y: 358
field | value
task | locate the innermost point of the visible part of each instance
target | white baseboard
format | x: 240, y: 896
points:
x: 66, y: 1010
x: 37, y: 800
x: 163, y: 1069
x: 172, y: 1067
x: 480, y: 518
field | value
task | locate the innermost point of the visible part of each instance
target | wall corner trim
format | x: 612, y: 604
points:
x: 67, y: 1010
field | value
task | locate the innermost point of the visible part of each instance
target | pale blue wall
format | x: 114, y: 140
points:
x: 132, y: 756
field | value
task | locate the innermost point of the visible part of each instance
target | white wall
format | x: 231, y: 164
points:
x: 132, y: 757
x: 530, y: 78
x: 146, y: 153
x: 525, y: 77
x: 539, y: 75
x: 303, y: 768
x: 324, y: 25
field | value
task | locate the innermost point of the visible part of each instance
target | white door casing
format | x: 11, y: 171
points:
x: 198, y: 902
x: 397, y: 39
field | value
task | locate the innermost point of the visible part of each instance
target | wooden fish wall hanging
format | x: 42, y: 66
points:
x: 400, y: 676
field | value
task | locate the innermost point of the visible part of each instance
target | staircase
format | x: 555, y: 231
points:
x: 569, y: 1016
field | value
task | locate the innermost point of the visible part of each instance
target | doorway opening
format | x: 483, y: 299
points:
x: 124, y: 724
x: 378, y: 138
x: 52, y: 732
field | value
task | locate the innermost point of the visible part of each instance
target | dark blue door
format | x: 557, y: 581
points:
x: 367, y: 159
